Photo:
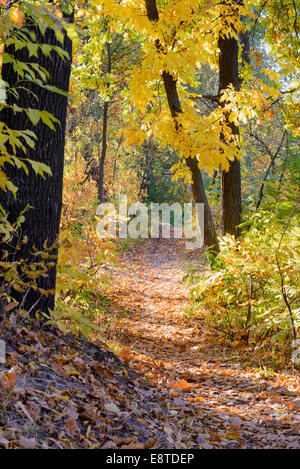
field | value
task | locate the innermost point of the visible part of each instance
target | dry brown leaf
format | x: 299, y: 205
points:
x: 28, y: 443
x: 71, y: 426
x: 150, y: 443
x: 134, y: 445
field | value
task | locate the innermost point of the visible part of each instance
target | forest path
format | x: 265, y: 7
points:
x: 215, y: 399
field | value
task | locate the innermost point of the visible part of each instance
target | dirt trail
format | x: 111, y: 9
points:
x: 214, y: 399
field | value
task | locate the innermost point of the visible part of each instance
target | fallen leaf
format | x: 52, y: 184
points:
x: 71, y: 426
x: 232, y: 435
x: 198, y: 399
x: 181, y: 384
x: 125, y: 354
x: 28, y: 443
x: 111, y: 407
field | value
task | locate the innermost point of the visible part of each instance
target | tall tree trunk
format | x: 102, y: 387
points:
x: 231, y: 199
x: 101, y: 195
x: 199, y: 194
x: 44, y: 195
x: 148, y: 172
x: 210, y: 236
x: 116, y: 159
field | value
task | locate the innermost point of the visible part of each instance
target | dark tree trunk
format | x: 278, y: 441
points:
x: 199, y: 194
x: 231, y: 200
x: 116, y: 159
x: 44, y: 195
x: 210, y: 236
x: 101, y: 195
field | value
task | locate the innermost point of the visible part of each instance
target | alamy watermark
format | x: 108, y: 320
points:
x: 139, y: 220
x: 2, y: 352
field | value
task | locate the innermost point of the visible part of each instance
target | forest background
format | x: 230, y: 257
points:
x: 168, y: 101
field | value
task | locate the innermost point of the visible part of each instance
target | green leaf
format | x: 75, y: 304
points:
x: 34, y: 115
x: 32, y: 49
x: 40, y: 168
x: 48, y: 119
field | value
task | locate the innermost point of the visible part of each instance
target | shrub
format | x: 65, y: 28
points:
x: 251, y: 291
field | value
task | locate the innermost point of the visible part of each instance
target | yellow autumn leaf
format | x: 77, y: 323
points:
x: 16, y: 16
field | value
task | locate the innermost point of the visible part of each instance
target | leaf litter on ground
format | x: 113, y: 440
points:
x: 170, y: 386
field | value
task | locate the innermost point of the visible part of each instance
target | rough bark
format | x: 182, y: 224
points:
x: 231, y: 201
x: 44, y: 195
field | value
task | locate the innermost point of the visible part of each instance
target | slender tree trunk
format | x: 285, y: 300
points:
x: 273, y: 157
x: 101, y: 195
x: 147, y: 173
x: 43, y: 195
x: 199, y: 194
x: 116, y: 159
x: 210, y: 236
x: 231, y: 199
